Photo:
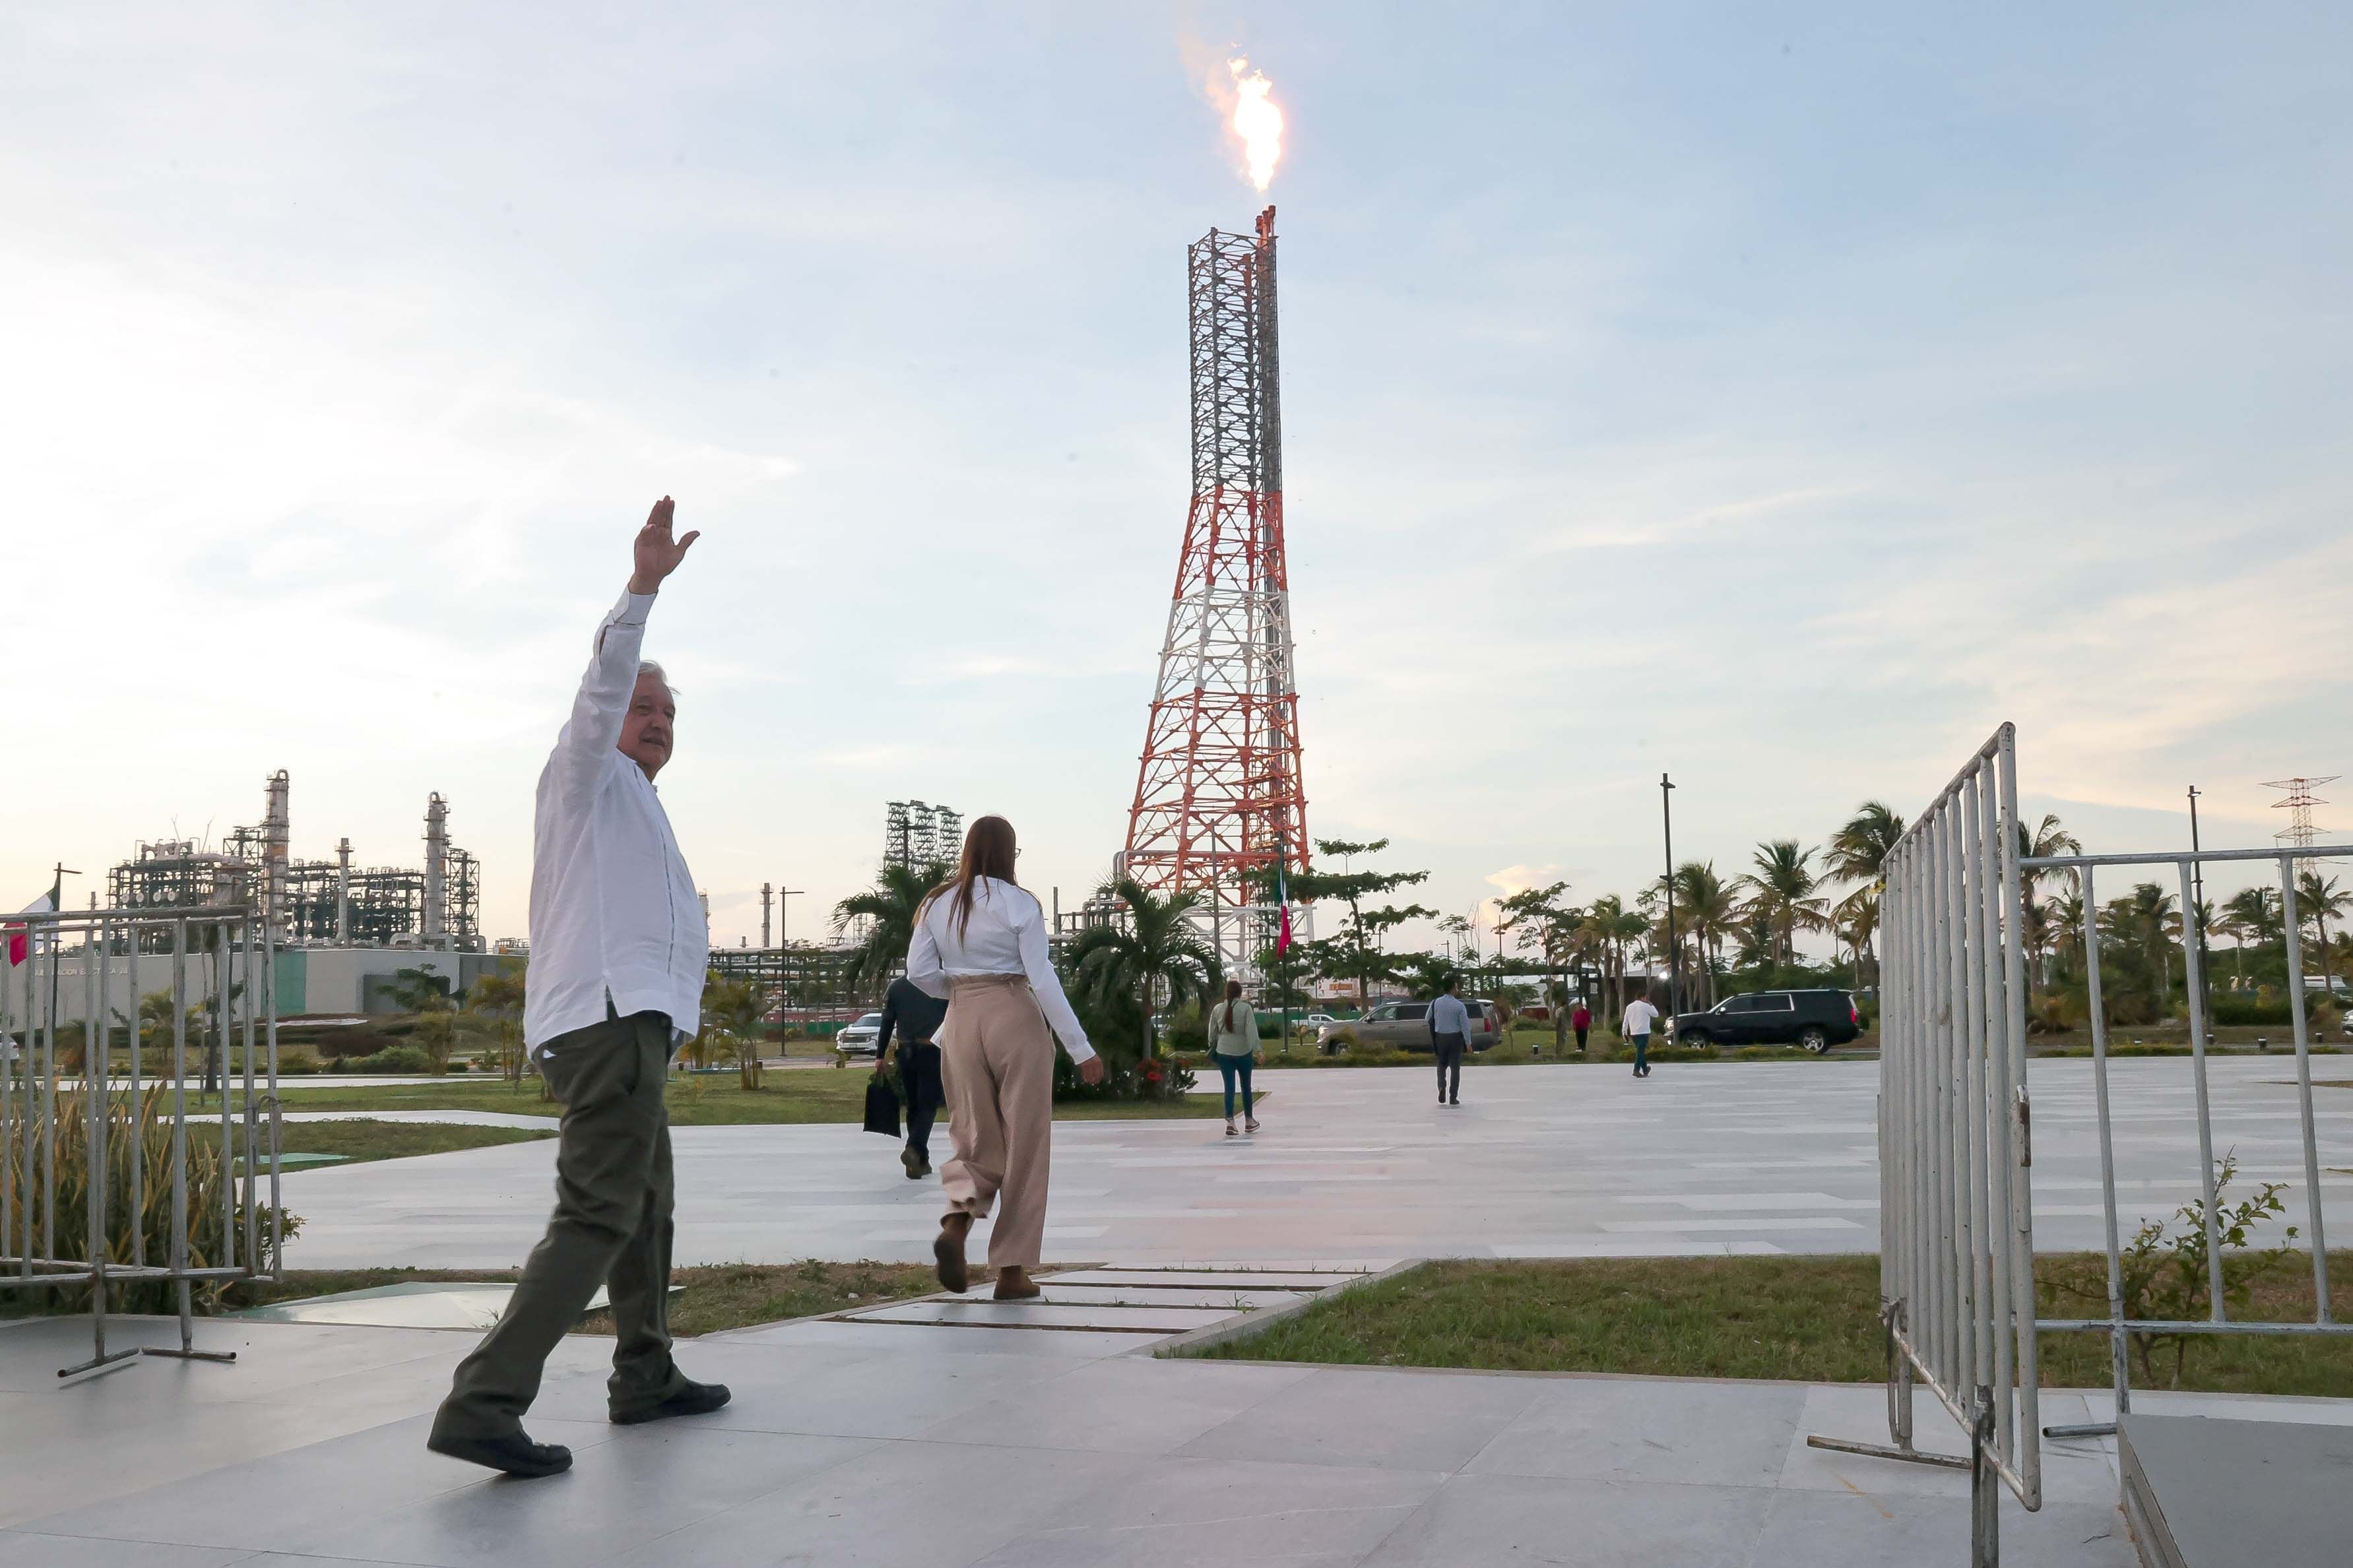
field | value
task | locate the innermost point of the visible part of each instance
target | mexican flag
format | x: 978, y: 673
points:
x: 1282, y: 899
x: 17, y: 939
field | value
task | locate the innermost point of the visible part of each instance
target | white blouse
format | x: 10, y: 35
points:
x: 1007, y: 935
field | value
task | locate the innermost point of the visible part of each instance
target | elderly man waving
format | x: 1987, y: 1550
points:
x: 618, y: 948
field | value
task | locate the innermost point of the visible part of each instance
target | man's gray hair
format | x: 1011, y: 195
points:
x: 648, y: 666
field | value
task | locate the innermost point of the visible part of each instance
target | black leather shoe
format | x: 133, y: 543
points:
x: 695, y: 1399
x: 516, y: 1455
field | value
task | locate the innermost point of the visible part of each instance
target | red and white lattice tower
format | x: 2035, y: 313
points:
x: 1219, y: 800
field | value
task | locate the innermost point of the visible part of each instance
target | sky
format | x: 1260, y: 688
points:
x: 1778, y: 397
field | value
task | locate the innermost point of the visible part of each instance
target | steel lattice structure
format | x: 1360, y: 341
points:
x: 1218, y: 797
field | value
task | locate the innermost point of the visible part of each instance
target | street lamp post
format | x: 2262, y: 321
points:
x: 2198, y: 911
x: 784, y: 912
x: 1674, y: 952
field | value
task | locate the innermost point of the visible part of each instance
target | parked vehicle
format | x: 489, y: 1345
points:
x: 1814, y: 1020
x: 1405, y: 1025
x: 862, y: 1038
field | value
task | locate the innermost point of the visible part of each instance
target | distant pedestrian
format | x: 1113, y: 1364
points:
x: 1449, y: 1035
x: 1233, y: 1044
x: 1581, y: 1019
x: 980, y: 941
x: 1640, y: 1016
x: 915, y: 1014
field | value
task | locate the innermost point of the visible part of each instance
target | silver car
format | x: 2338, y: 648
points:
x: 862, y: 1038
x: 1405, y: 1025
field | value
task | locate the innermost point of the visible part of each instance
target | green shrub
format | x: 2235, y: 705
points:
x: 394, y: 1058
x: 296, y: 1064
x: 147, y: 1124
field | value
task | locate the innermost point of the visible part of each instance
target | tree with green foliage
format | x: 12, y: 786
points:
x: 1155, y: 947
x: 1705, y: 907
x: 732, y: 1011
x: 1355, y: 953
x: 890, y: 907
x: 1857, y: 854
x: 1612, y: 927
x: 494, y: 1003
x: 427, y: 995
x: 1782, y: 891
x: 2316, y: 899
x: 1539, y: 918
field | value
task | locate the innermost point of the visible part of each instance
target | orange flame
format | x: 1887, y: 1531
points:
x: 1257, y: 121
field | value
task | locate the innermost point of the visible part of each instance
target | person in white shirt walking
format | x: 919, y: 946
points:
x: 980, y: 941
x: 1449, y: 1036
x: 1636, y: 1025
x: 619, y: 949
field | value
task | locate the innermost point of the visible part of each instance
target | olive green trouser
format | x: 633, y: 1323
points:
x: 611, y: 1226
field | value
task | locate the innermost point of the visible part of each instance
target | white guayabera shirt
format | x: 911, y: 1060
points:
x: 614, y: 914
x: 1640, y: 1016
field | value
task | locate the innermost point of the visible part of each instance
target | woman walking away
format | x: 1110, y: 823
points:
x: 1233, y: 1041
x: 980, y: 941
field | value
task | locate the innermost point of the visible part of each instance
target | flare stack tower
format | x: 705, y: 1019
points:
x: 1219, y: 801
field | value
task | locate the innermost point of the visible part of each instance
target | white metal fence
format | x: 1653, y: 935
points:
x: 2120, y: 1325
x: 1956, y: 1241
x: 129, y: 1139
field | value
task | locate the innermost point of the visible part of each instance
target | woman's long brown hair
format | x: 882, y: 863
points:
x: 988, y: 852
x: 1233, y: 994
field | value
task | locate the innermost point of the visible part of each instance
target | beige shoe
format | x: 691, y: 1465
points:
x: 1013, y: 1285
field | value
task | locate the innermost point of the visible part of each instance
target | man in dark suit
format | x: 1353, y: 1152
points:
x: 915, y: 1014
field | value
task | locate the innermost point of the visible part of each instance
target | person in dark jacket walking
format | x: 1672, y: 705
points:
x: 915, y: 1014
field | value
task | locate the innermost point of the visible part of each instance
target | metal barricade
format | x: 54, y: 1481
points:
x: 1955, y: 1212
x: 2116, y: 1325
x: 147, y: 1161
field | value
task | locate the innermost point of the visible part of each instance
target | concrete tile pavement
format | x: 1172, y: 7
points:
x: 905, y: 1446
x: 1539, y: 1162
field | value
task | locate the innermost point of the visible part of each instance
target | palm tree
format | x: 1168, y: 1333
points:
x: 495, y: 1001
x: 1781, y: 891
x: 1155, y: 948
x: 1857, y: 919
x: 1858, y: 852
x: 2045, y: 838
x: 2250, y: 913
x: 732, y: 1010
x: 1706, y: 905
x: 2317, y: 899
x: 890, y: 907
x: 2146, y: 918
x: 1613, y: 925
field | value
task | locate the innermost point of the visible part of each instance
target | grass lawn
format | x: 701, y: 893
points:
x: 790, y: 1097
x: 1810, y: 1318
x: 361, y: 1141
x: 725, y: 1295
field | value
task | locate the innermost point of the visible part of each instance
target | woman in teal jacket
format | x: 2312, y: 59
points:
x: 1233, y: 1044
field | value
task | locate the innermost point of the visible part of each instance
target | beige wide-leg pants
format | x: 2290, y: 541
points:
x: 996, y: 1062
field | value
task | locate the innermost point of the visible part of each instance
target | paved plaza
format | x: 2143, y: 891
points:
x: 957, y: 1435
x: 905, y: 1447
x: 1538, y: 1162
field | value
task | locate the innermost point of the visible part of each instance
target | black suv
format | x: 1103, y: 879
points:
x: 1814, y: 1020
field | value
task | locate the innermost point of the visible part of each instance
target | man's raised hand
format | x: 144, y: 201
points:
x: 658, y: 555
